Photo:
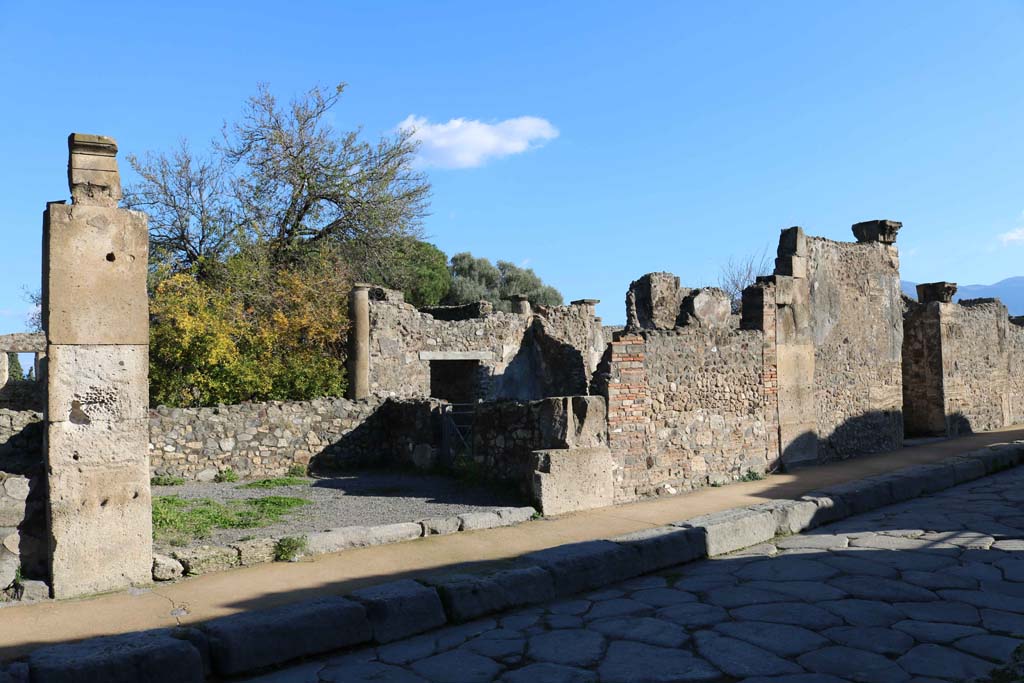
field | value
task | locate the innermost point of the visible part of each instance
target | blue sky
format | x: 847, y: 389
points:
x: 663, y: 136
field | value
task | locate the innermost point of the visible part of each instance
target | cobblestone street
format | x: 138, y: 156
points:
x: 927, y: 590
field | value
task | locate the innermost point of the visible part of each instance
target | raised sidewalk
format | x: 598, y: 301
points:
x: 26, y: 627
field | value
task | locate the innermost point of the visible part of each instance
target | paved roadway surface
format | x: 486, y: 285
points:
x: 925, y: 591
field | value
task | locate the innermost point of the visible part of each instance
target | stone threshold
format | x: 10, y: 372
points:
x: 207, y: 558
x: 250, y: 642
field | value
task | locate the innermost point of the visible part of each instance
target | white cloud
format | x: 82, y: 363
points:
x: 465, y: 143
x: 1012, y: 236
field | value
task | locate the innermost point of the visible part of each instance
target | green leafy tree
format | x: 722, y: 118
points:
x: 14, y: 369
x: 477, y: 279
x: 418, y: 269
x: 255, y: 241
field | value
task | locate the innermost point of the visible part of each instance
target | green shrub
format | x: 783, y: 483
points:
x: 290, y: 547
x: 751, y: 475
x: 298, y: 470
x: 275, y: 483
x: 178, y: 520
x: 166, y: 480
x: 226, y: 475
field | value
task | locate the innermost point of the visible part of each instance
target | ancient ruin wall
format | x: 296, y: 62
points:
x: 520, y: 356
x: 1015, y: 385
x: 253, y: 439
x: 687, y: 408
x: 923, y: 399
x: 975, y: 365
x: 856, y: 327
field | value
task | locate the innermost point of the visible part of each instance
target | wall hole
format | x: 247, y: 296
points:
x: 111, y: 257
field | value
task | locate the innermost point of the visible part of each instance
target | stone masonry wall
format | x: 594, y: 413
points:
x: 856, y: 324
x: 521, y: 357
x: 975, y: 365
x: 687, y: 407
x: 505, y: 434
x: 22, y: 496
x: 962, y: 367
x: 254, y: 439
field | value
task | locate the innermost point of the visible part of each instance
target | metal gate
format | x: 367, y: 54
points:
x: 456, y: 432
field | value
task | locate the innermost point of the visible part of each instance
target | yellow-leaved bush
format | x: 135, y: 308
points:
x: 250, y: 334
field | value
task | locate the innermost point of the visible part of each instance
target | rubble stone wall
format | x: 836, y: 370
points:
x: 688, y: 408
x: 254, y: 439
x: 963, y: 364
x: 856, y: 326
x: 521, y: 357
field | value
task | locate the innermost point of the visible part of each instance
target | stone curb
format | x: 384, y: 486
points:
x: 251, y: 641
x: 205, y: 559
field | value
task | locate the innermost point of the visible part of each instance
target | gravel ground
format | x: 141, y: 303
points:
x: 362, y: 499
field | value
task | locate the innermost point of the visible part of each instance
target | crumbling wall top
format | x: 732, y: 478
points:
x: 93, y: 177
x: 883, y: 231
x: 942, y: 292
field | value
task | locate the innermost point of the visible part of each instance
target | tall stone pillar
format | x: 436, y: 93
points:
x: 5, y: 370
x: 96, y: 318
x: 359, y: 342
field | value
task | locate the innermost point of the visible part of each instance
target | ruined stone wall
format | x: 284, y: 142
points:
x: 923, y: 399
x: 22, y: 496
x: 1015, y: 344
x: 255, y: 439
x: 22, y: 395
x: 856, y: 327
x: 520, y: 356
x: 505, y: 434
x: 975, y: 365
x: 688, y: 407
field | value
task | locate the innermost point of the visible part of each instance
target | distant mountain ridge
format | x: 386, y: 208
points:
x: 1010, y: 291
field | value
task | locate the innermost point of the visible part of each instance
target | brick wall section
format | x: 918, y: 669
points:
x: 629, y: 416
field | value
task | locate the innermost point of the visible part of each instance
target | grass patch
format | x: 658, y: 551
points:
x: 166, y: 480
x: 177, y: 520
x: 275, y: 483
x: 226, y: 475
x: 297, y: 470
x: 751, y: 475
x: 290, y: 547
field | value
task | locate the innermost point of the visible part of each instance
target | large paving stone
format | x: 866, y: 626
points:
x: 782, y: 639
x: 500, y: 645
x: 1003, y: 622
x: 788, y: 568
x: 946, y: 612
x: 549, y: 673
x: 663, y: 597
x: 793, y: 613
x: 365, y: 672
x: 147, y: 657
x: 808, y: 591
x: 251, y: 640
x: 616, y: 607
x: 932, y: 632
x: 864, y: 612
x: 939, y: 579
x: 797, y: 678
x: 854, y: 665
x: 629, y: 662
x: 643, y: 630
x: 693, y: 615
x: 738, y: 596
x: 995, y: 648
x: 739, y: 658
x: 400, y: 608
x: 878, y: 588
x: 859, y: 565
x: 457, y: 666
x: 943, y: 662
x: 987, y: 599
x: 883, y: 641
x: 574, y: 647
